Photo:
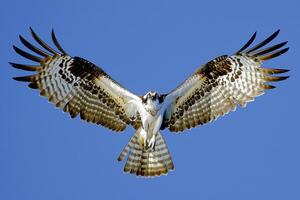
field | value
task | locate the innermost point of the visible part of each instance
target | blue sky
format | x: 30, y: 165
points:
x: 252, y: 153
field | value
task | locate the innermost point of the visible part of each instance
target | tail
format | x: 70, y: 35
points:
x: 144, y: 161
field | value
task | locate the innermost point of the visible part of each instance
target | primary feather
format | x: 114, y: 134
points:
x: 79, y: 87
x: 217, y: 87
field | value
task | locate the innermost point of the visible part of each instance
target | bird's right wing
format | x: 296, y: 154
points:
x: 79, y: 87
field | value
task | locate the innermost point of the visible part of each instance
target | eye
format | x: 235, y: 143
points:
x: 144, y: 100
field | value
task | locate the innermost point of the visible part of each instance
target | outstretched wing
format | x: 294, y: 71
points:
x: 219, y: 86
x: 78, y: 86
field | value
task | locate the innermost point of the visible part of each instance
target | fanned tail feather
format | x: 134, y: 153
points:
x: 146, y: 162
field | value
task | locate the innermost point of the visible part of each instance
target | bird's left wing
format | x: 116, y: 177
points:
x: 78, y: 86
x: 219, y: 86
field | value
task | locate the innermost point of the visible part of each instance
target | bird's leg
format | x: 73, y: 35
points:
x: 151, y: 142
x: 143, y: 137
x: 152, y: 138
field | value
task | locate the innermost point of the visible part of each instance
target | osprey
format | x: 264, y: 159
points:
x: 81, y: 88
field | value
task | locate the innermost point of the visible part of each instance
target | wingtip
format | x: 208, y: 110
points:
x: 52, y: 32
x: 56, y: 43
x: 283, y: 51
x: 274, y: 71
x: 15, y: 65
x: 25, y: 67
x: 275, y: 78
x: 276, y: 33
x: 280, y: 71
x: 249, y: 42
x: 15, y: 47
x: 22, y: 78
x: 22, y: 39
x: 274, y: 55
x: 268, y: 87
x: 31, y: 30
x: 27, y: 55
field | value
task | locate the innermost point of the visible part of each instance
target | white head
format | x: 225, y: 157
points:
x: 152, y: 102
x: 151, y: 98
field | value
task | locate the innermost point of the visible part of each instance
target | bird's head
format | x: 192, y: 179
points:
x: 152, y: 102
x: 152, y: 98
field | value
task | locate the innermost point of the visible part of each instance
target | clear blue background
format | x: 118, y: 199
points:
x: 252, y: 153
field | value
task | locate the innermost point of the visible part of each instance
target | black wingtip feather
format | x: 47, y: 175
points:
x: 55, y: 41
x: 268, y: 87
x: 248, y: 43
x: 273, y: 55
x: 25, y: 67
x: 275, y: 78
x: 23, y: 78
x: 273, y: 71
x: 33, y: 48
x: 269, y: 49
x: 42, y: 43
x: 27, y: 55
x: 263, y: 43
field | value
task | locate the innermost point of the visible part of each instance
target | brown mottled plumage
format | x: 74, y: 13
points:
x: 222, y: 84
x: 81, y: 88
x: 74, y: 84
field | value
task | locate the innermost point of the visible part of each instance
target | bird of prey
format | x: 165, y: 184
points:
x: 81, y: 88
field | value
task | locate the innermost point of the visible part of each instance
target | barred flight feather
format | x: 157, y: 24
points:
x: 219, y: 86
x: 76, y: 85
x: 80, y: 88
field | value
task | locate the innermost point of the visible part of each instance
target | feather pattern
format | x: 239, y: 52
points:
x: 82, y: 89
x: 219, y: 86
x: 146, y: 162
x: 78, y: 86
